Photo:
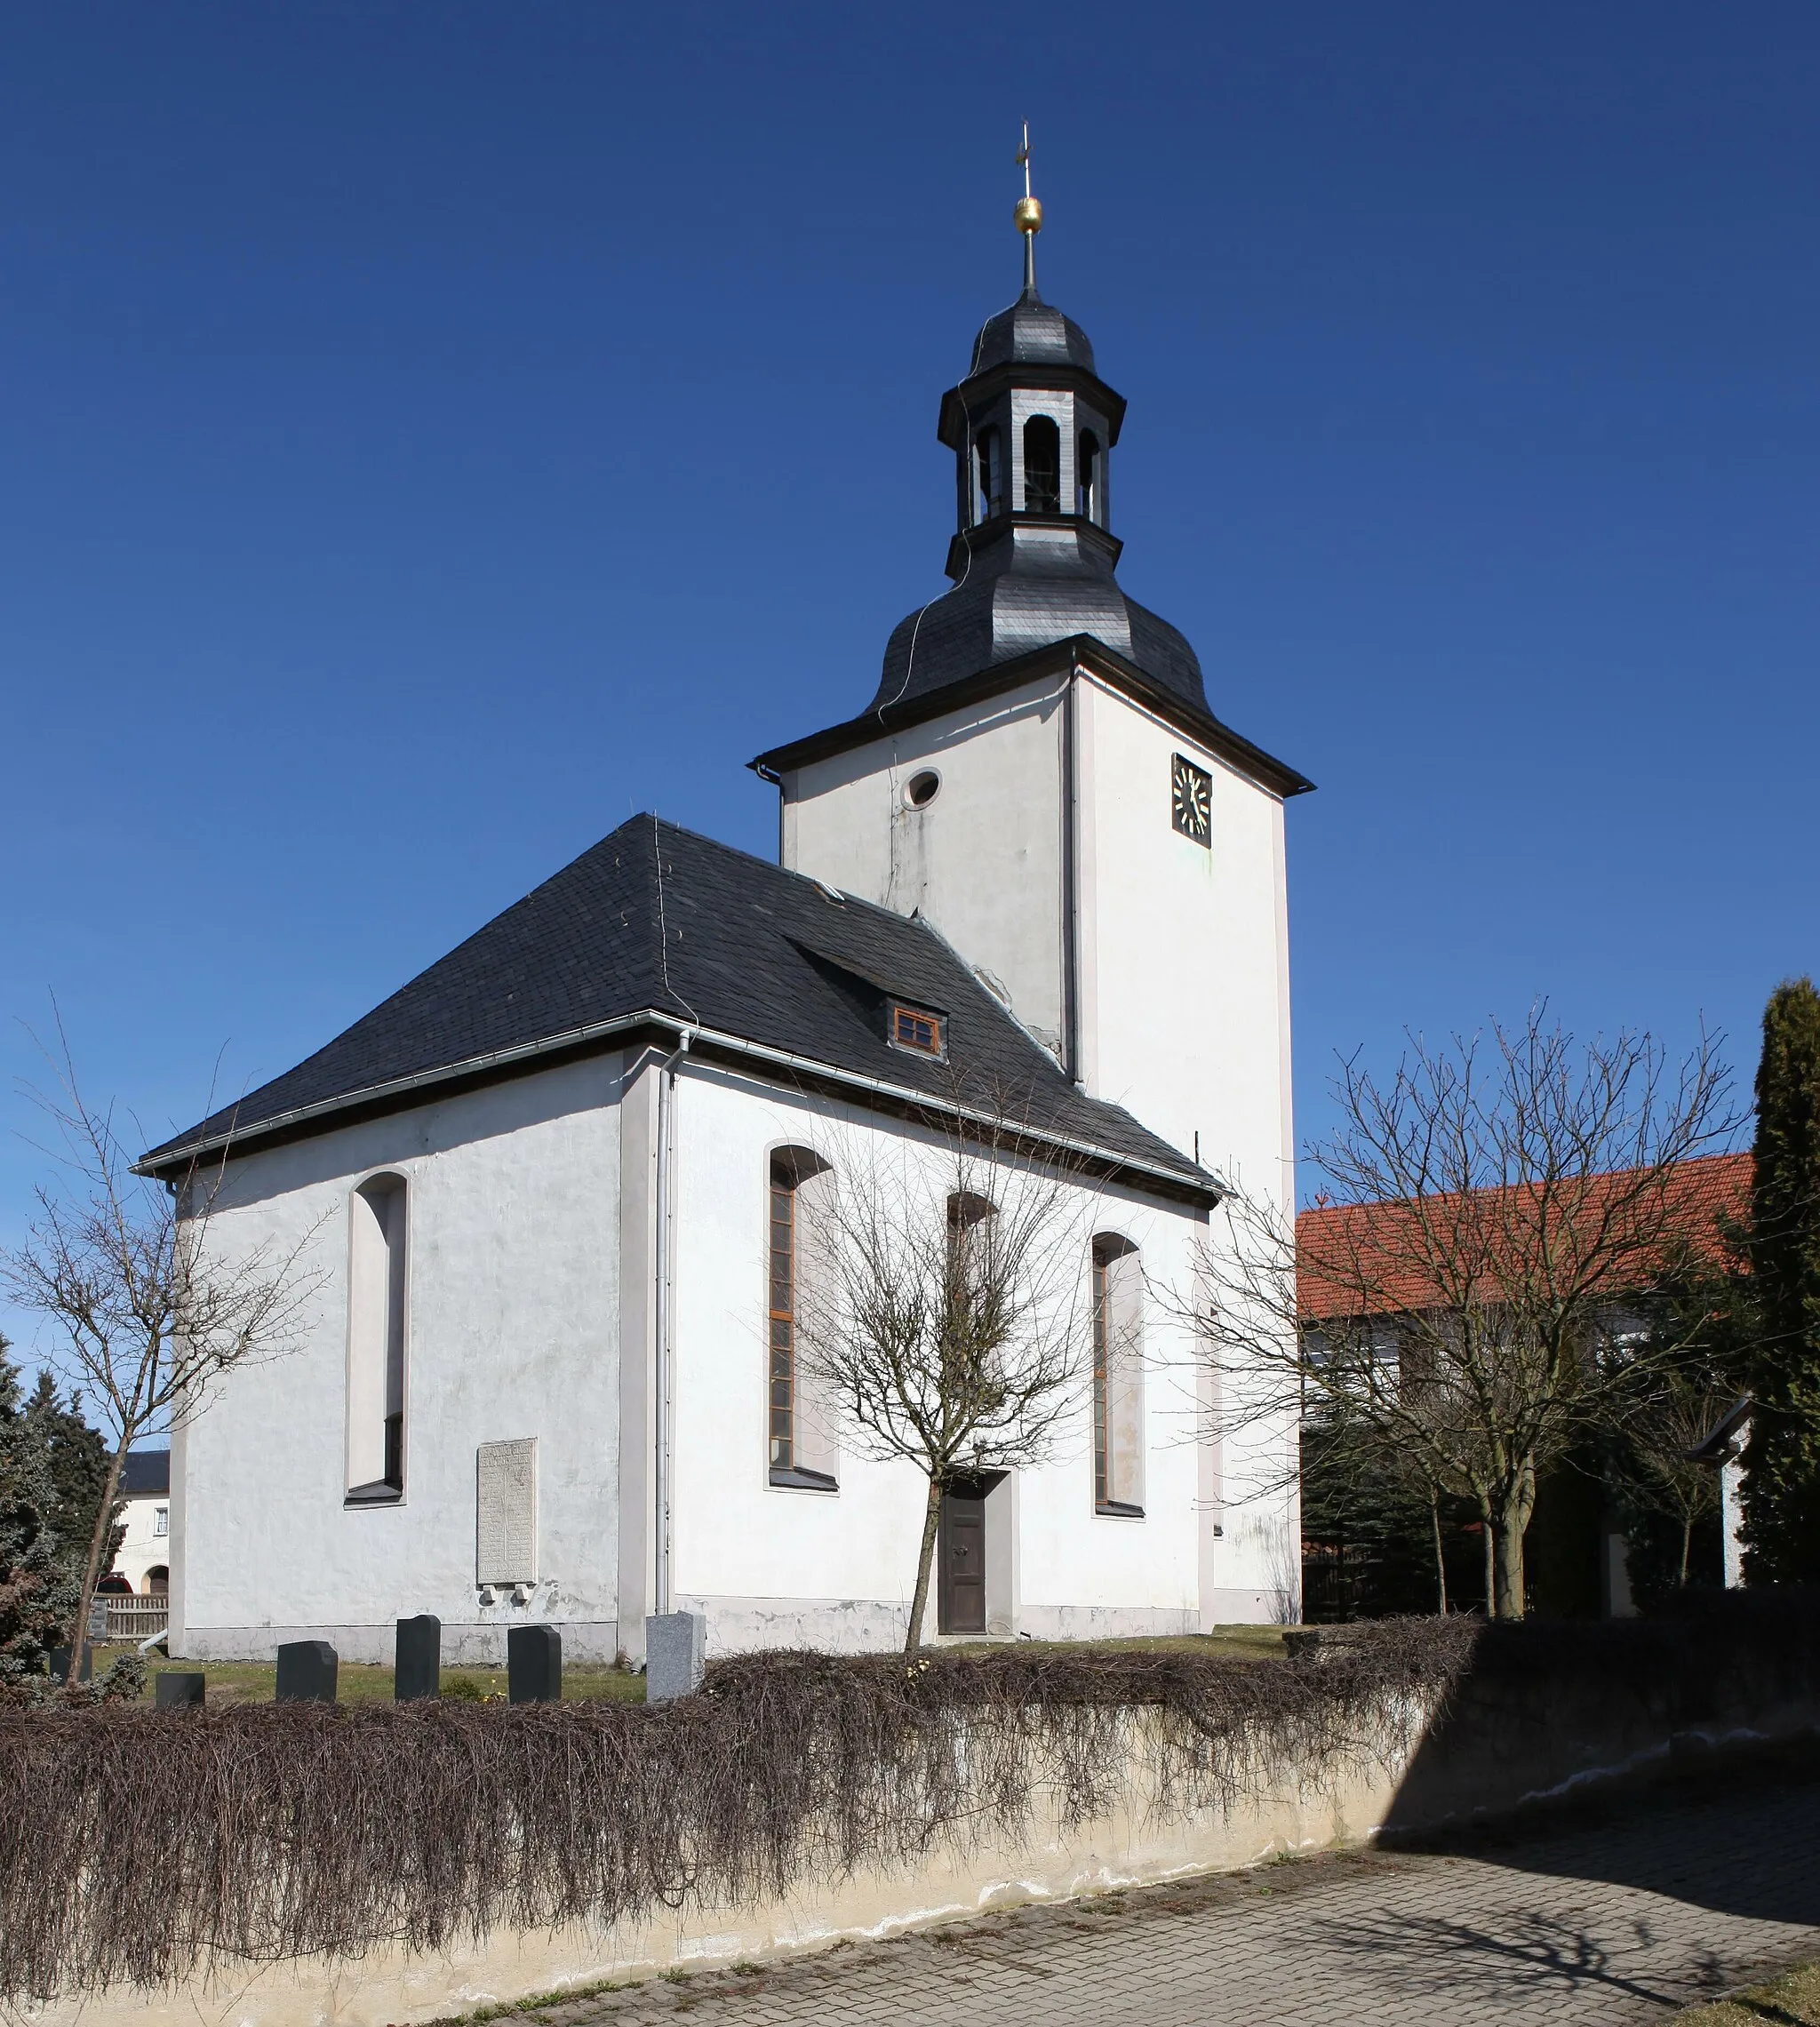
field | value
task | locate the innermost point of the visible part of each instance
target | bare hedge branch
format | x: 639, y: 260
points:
x: 144, y: 1846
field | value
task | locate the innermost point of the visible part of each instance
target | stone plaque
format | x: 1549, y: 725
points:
x: 506, y: 1535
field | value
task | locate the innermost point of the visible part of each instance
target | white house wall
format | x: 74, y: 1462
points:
x: 512, y: 1331
x: 142, y: 1548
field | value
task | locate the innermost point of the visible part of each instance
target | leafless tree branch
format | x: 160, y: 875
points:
x: 150, y: 1313
x: 943, y: 1307
x: 1471, y: 1287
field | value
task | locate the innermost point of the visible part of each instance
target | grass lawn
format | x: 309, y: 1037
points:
x: 1235, y: 1643
x: 365, y: 1682
x: 1793, y: 2001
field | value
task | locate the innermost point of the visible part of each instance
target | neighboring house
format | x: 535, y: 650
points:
x: 1577, y: 1549
x: 1723, y: 1449
x: 143, y: 1564
x: 554, y: 1184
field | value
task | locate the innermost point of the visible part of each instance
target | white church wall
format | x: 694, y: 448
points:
x: 510, y: 1331
x: 1185, y: 982
x: 982, y: 861
x: 771, y: 1566
x: 1184, y: 1022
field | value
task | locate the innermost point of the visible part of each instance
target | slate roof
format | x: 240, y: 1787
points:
x: 1030, y: 586
x: 658, y: 920
x: 143, y: 1472
x: 1027, y: 586
x: 1031, y: 333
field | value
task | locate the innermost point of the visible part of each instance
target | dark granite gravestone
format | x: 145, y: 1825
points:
x: 534, y: 1665
x: 177, y: 1688
x: 307, y: 1670
x: 59, y: 1664
x: 417, y: 1669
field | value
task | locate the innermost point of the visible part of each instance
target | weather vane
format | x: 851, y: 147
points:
x: 1028, y: 215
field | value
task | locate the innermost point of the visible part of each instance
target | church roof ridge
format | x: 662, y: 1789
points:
x: 657, y: 924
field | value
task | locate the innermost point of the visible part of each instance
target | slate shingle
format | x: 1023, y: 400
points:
x: 659, y: 919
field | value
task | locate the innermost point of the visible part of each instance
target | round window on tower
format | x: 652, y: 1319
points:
x: 921, y: 789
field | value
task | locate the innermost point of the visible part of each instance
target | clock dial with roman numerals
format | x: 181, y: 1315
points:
x: 1191, y: 800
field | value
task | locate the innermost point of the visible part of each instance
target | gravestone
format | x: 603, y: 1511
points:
x: 675, y: 1652
x: 59, y: 1664
x: 177, y: 1688
x: 417, y: 1669
x: 307, y: 1670
x: 534, y: 1665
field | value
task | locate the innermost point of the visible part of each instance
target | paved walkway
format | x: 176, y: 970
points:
x: 1621, y: 1924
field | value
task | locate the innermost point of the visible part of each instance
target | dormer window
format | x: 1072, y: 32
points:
x: 1043, y: 466
x: 918, y: 1030
x: 988, y: 479
x: 1087, y: 477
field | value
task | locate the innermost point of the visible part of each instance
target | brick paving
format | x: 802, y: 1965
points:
x: 1623, y: 1923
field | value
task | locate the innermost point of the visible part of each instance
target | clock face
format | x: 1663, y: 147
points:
x: 1191, y: 800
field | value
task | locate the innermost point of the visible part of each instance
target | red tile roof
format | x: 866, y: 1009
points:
x: 1344, y: 1248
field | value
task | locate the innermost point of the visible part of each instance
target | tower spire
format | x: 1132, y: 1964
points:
x: 1029, y: 217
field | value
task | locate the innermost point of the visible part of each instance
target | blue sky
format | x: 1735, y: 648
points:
x: 427, y: 435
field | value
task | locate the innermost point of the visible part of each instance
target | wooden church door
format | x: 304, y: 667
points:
x: 961, y: 1564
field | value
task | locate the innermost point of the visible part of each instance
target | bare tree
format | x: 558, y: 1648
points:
x: 1700, y: 1324
x: 942, y: 1310
x: 150, y: 1317
x: 1465, y: 1291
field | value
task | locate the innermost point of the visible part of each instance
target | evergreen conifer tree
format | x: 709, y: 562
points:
x: 1782, y: 1480
x: 38, y: 1590
x: 78, y: 1458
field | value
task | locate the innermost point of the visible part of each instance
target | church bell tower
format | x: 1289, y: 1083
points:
x: 1039, y: 774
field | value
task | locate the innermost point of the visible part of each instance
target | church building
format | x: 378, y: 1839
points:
x: 547, y: 1192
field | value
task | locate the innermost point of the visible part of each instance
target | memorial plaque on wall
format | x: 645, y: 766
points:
x: 507, y: 1542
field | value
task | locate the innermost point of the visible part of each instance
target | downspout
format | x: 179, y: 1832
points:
x: 1071, y: 954
x: 663, y: 1474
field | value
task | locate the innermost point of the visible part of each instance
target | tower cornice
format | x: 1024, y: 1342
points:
x: 1059, y: 659
x: 978, y: 390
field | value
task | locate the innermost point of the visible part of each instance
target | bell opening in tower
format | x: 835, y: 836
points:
x: 1087, y: 477
x: 1043, y: 466
x: 988, y: 484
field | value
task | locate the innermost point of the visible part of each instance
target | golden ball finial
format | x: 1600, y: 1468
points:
x: 1028, y: 215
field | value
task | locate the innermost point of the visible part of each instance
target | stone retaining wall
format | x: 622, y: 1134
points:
x: 1500, y: 1744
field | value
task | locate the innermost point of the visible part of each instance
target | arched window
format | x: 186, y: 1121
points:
x: 989, y: 476
x: 970, y: 1294
x: 1087, y: 476
x: 376, y: 1276
x: 800, y: 1423
x: 1118, y: 1376
x: 1043, y: 466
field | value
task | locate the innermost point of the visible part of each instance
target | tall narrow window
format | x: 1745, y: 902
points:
x: 988, y: 479
x: 375, y: 1279
x: 971, y: 1294
x: 1043, y: 466
x: 1118, y: 1377
x: 801, y: 1424
x: 1087, y: 477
